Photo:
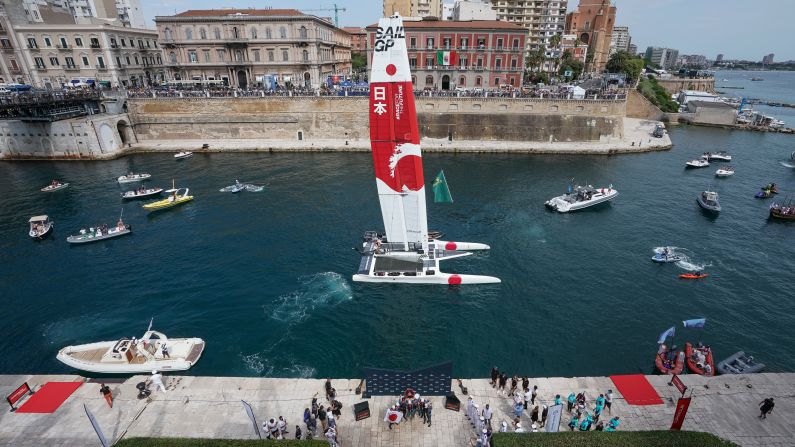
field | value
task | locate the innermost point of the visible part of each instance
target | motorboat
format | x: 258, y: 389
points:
x: 405, y: 253
x: 739, y: 363
x: 183, y: 154
x: 134, y: 356
x: 782, y: 212
x: 697, y: 163
x: 174, y: 199
x: 757, y: 79
x: 764, y: 194
x: 40, y: 226
x: 130, y: 178
x: 696, y: 275
x: 581, y: 197
x: 699, y: 359
x: 725, y: 171
x: 237, y: 187
x: 717, y: 156
x: 54, y: 186
x: 141, y: 193
x: 665, y: 256
x: 771, y: 188
x: 100, y: 233
x: 708, y: 200
x: 669, y: 361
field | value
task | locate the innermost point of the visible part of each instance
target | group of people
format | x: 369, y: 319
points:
x: 326, y: 416
x: 699, y: 357
x: 409, y: 406
x: 584, y: 420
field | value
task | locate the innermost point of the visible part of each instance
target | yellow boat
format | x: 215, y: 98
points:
x: 174, y: 199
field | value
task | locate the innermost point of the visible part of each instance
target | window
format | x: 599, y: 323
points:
x: 429, y: 42
x: 447, y: 42
x: 253, y: 33
x: 285, y: 56
x: 238, y: 56
x: 192, y: 57
x: 166, y: 35
x: 85, y: 61
x: 118, y: 61
x: 159, y: 60
x: 39, y: 62
x: 32, y: 43
x: 47, y: 42
x: 283, y: 32
x: 221, y: 55
x: 172, y: 56
x: 462, y: 81
x: 412, y: 62
x: 499, y: 44
x: 498, y: 64
x: 481, y: 43
x: 54, y: 61
x: 463, y: 61
x: 188, y: 33
x: 497, y: 81
x: 123, y: 43
x: 516, y: 44
x: 137, y: 61
x: 429, y: 62
x: 302, y: 32
x: 202, y: 33
x: 478, y: 81
x: 206, y: 55
x: 256, y: 56
x: 94, y: 42
x: 148, y: 44
x: 100, y: 62
x: 429, y: 81
x: 270, y: 56
x: 306, y: 56
x: 480, y: 63
x: 70, y: 62
x: 140, y: 44
x: 464, y: 43
x: 63, y: 42
x: 217, y: 33
x: 127, y: 58
x: 14, y: 65
x: 413, y: 43
x: 513, y: 63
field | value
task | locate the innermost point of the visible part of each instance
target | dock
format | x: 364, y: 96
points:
x: 210, y: 407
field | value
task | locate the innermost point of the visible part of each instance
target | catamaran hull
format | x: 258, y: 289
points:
x: 437, y: 279
x: 461, y: 246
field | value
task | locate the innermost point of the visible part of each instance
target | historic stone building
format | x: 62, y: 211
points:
x: 444, y: 55
x: 248, y: 47
x: 593, y: 22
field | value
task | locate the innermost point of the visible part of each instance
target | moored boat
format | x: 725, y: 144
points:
x: 54, y: 186
x: 739, y: 363
x: 708, y: 200
x: 717, y: 156
x: 669, y: 361
x: 99, y: 233
x: 725, y: 171
x: 183, y: 154
x: 134, y: 356
x: 40, y: 226
x: 699, y: 359
x: 697, y: 163
x: 581, y: 197
x: 131, y: 177
x: 141, y: 193
x: 174, y: 199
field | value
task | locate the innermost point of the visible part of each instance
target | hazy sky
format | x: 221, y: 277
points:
x: 740, y: 29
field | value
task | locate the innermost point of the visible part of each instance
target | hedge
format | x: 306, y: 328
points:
x: 197, y: 442
x: 612, y: 439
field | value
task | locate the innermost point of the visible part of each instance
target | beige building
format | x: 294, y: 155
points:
x: 544, y: 19
x: 414, y: 8
x: 52, y: 54
x: 249, y: 47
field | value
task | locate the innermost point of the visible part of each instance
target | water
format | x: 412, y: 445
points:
x: 776, y: 87
x: 264, y: 277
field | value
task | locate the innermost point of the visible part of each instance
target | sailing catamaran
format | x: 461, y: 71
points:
x: 405, y: 254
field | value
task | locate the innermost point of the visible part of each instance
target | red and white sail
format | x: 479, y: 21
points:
x: 395, y: 137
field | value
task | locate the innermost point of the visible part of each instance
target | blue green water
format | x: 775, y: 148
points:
x: 264, y: 277
x: 776, y: 86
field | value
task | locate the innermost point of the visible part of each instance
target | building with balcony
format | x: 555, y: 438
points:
x: 542, y: 18
x: 128, y: 13
x: 473, y: 10
x: 593, y: 22
x: 245, y: 47
x: 414, y: 8
x: 664, y: 57
x: 620, y: 40
x: 468, y: 54
x: 358, y: 39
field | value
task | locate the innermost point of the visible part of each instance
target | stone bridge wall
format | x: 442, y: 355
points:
x: 676, y: 85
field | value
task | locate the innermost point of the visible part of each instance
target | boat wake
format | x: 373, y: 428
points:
x: 261, y: 364
x: 318, y: 290
x: 687, y: 261
x: 247, y: 186
x: 788, y: 164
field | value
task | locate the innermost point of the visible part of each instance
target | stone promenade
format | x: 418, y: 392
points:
x: 210, y: 407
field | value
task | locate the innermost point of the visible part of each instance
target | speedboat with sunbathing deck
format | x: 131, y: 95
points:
x: 581, y: 197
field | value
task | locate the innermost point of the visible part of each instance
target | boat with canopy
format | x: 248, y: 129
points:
x: 404, y: 253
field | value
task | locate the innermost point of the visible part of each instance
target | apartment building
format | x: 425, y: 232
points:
x: 620, y: 40
x: 414, y: 8
x: 542, y: 18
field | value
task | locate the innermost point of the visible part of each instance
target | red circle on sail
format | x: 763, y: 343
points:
x: 454, y: 280
x: 450, y: 246
x: 391, y: 69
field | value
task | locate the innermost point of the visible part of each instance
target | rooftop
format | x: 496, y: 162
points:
x: 712, y: 104
x: 458, y: 24
x: 354, y: 30
x: 243, y: 12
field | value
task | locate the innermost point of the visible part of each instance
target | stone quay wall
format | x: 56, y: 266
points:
x: 676, y: 85
x: 347, y: 119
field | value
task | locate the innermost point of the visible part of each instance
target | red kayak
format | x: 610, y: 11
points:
x: 693, y: 275
x: 692, y: 362
x: 665, y: 366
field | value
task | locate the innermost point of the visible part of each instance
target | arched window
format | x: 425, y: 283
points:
x: 188, y: 33
x: 283, y: 32
x: 203, y: 33
x: 172, y: 56
x: 253, y: 33
x: 429, y: 81
x: 235, y: 34
x: 167, y: 33
x: 239, y: 56
x: 478, y: 81
x: 302, y: 32
x: 462, y: 81
x: 414, y: 79
x: 306, y: 56
x: 217, y: 33
x: 268, y: 34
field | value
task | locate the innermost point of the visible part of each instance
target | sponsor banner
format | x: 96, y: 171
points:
x: 681, y: 411
x: 250, y: 413
x: 18, y: 394
x: 677, y: 382
x: 96, y: 426
x: 554, y: 414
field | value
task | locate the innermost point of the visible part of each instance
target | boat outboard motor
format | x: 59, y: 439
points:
x: 143, y: 392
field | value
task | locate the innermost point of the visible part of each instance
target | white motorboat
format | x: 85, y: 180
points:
x: 716, y: 156
x: 40, y: 226
x: 580, y: 197
x: 725, y: 171
x: 183, y: 154
x: 141, y: 193
x: 100, y: 233
x: 129, y: 178
x: 54, y: 186
x: 697, y: 163
x: 134, y: 356
x: 406, y: 253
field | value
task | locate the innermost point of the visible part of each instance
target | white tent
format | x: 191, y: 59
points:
x: 577, y: 92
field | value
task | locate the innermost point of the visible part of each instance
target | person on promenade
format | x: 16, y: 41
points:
x: 525, y: 384
x: 106, y: 393
x: 306, y: 415
x: 504, y: 427
x: 487, y: 414
x: 157, y: 381
x: 321, y: 415
x: 534, y: 395
x: 518, y: 408
x: 270, y: 429
x: 503, y: 382
x: 329, y: 389
x: 332, y: 422
x: 514, y: 384
x: 336, y: 407
x: 281, y: 424
x: 528, y: 396
x: 311, y: 427
x: 534, y: 414
x: 495, y: 375
x: 613, y: 424
x: 331, y: 436
x: 597, y: 411
x: 609, y: 401
x: 519, y: 428
x: 600, y: 426
x: 297, y: 433
x: 766, y: 407
x: 573, y: 422
x: 428, y: 411
x: 470, y: 404
x: 544, y: 416
x: 557, y: 400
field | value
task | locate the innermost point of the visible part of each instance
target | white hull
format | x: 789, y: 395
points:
x: 561, y: 205
x: 451, y: 245
x: 54, y: 188
x: 134, y: 178
x: 182, y: 155
x: 438, y: 278
x: 720, y: 173
x: 697, y: 164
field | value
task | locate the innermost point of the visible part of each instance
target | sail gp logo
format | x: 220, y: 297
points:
x: 385, y: 38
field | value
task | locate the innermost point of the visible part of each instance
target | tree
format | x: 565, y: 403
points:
x: 624, y: 62
x: 359, y: 61
x: 570, y: 64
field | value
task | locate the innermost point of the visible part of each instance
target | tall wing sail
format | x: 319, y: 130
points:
x: 395, y: 138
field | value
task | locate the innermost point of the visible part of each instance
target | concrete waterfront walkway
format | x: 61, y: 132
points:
x: 210, y: 407
x: 637, y: 138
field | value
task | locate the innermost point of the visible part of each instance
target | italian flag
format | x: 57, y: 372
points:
x: 446, y: 58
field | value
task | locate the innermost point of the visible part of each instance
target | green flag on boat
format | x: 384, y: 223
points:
x: 441, y: 192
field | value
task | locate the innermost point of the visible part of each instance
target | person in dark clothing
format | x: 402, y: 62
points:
x: 321, y: 414
x: 329, y: 389
x: 503, y: 382
x: 534, y: 414
x: 766, y: 407
x: 495, y: 374
x: 525, y: 384
x: 297, y: 432
x: 535, y: 394
x: 544, y: 416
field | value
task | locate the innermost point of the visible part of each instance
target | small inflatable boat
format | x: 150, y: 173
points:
x: 693, y: 275
x: 739, y: 363
x: 663, y: 257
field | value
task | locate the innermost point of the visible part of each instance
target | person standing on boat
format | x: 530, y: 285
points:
x: 107, y: 394
x: 164, y: 350
x: 157, y: 381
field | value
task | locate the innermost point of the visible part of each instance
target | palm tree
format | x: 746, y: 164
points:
x: 554, y: 43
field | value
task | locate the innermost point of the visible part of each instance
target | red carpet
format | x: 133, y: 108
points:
x: 636, y: 389
x: 49, y: 397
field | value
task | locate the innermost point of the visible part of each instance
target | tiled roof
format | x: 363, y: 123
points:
x: 458, y: 24
x: 231, y: 11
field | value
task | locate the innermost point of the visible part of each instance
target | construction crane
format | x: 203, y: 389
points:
x: 336, y: 13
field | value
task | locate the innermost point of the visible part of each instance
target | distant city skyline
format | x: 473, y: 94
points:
x: 706, y: 27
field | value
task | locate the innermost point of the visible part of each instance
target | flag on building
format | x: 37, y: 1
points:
x: 441, y: 192
x: 446, y: 58
x: 695, y: 323
x: 666, y: 334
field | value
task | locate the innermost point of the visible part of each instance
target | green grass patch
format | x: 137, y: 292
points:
x: 614, y: 439
x: 197, y: 442
x: 657, y: 94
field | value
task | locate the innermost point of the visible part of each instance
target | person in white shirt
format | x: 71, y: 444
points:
x: 157, y: 381
x: 527, y: 396
x: 487, y: 413
x: 519, y: 428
